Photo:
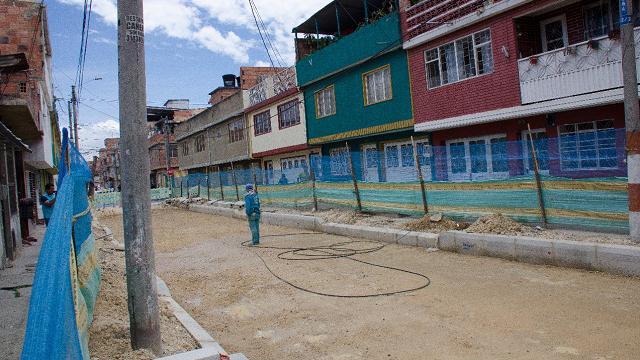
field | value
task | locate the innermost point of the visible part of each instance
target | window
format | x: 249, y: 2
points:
x: 289, y: 114
x: 588, y: 145
x: 339, y: 162
x: 185, y: 149
x: 554, y: 33
x: 464, y: 58
x: 22, y: 87
x: 377, y: 85
x: 371, y: 157
x: 541, y: 144
x: 200, y: 144
x: 262, y: 123
x: 236, y: 131
x: 391, y: 153
x: 478, y: 158
x: 173, y: 151
x: 406, y: 151
x: 325, y: 102
x: 424, y: 153
x: 600, y: 18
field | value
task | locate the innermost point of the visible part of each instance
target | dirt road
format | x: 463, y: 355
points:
x: 475, y: 308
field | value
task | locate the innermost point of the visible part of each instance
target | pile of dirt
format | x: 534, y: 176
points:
x: 349, y: 217
x: 109, y: 333
x: 499, y: 224
x: 434, y: 223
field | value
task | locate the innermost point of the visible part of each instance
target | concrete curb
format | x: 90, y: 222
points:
x: 609, y: 258
x: 209, y: 348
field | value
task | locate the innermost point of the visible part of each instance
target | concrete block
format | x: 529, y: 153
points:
x: 574, y: 254
x: 618, y: 259
x: 389, y: 236
x: 199, y: 354
x: 409, y: 238
x: 238, y: 357
x: 447, y: 241
x: 534, y: 251
x: 468, y: 244
x: 427, y: 240
x: 499, y: 246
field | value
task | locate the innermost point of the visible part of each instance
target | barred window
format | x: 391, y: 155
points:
x: 464, y: 58
x: 588, y: 145
x: 262, y: 123
x: 236, y: 130
x: 200, y: 143
x: 22, y: 87
x: 289, y: 114
x: 339, y: 162
x: 185, y: 148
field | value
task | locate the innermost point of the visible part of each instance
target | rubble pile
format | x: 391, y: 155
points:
x: 434, y: 223
x: 499, y: 224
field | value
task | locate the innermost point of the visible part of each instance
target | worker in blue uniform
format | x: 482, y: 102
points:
x: 252, y: 209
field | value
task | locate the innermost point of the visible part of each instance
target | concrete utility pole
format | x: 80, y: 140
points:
x: 632, y: 115
x: 70, y: 121
x: 74, y: 102
x: 142, y: 290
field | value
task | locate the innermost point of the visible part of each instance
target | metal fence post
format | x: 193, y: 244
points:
x: 536, y: 171
x: 425, y: 206
x: 353, y: 178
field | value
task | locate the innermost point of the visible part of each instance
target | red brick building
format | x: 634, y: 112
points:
x: 482, y: 72
x: 29, y: 136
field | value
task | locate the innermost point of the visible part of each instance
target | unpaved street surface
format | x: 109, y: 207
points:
x: 475, y: 308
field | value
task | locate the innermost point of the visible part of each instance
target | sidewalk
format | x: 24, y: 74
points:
x: 14, y: 304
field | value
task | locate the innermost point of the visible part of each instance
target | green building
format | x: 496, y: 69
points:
x: 354, y: 75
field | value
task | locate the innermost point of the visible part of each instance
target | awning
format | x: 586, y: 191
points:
x: 351, y: 14
x: 7, y: 136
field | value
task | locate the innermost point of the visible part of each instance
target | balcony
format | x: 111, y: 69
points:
x: 365, y: 42
x: 19, y: 114
x: 582, y: 68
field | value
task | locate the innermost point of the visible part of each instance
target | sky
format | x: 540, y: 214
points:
x: 189, y: 45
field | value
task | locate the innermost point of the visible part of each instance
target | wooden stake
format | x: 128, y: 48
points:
x: 235, y: 182
x: 353, y: 178
x: 221, y: 185
x: 425, y: 206
x: 536, y: 171
x: 313, y: 186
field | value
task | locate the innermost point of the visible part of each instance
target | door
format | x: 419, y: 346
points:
x: 554, y: 33
x: 268, y: 172
x: 370, y: 162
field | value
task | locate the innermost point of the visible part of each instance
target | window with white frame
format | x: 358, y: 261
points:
x: 458, y: 60
x: 588, y: 146
x: 377, y: 85
x: 406, y: 152
x: 325, y: 102
x: 541, y: 146
x: 289, y: 114
x: 554, y: 33
x: 262, y: 123
x: 339, y: 161
x: 391, y: 153
x: 478, y: 158
x: 236, y: 130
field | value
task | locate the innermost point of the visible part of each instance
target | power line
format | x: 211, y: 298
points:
x: 100, y: 111
x: 264, y: 43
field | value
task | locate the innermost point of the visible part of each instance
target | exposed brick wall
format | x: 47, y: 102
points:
x: 499, y: 89
x: 250, y: 76
x: 221, y: 93
x: 21, y: 31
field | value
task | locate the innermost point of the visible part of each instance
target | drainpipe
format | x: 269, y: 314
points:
x: 338, y: 19
x: 366, y: 11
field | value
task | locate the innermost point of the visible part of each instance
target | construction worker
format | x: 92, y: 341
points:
x: 252, y: 209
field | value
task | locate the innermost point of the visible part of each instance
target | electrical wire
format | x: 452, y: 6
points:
x: 341, y: 250
x: 260, y: 33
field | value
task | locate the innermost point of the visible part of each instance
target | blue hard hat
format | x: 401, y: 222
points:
x: 249, y: 187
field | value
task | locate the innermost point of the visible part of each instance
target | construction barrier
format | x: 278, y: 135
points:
x: 67, y: 278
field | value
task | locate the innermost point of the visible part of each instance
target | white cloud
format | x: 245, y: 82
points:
x: 92, y: 136
x: 104, y: 40
x: 193, y: 20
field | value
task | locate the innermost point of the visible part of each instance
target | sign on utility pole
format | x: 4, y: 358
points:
x: 631, y: 114
x: 144, y: 317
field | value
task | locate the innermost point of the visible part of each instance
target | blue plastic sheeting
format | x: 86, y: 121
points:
x: 67, y: 278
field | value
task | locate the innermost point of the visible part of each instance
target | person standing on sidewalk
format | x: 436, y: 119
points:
x: 48, y: 200
x: 252, y: 209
